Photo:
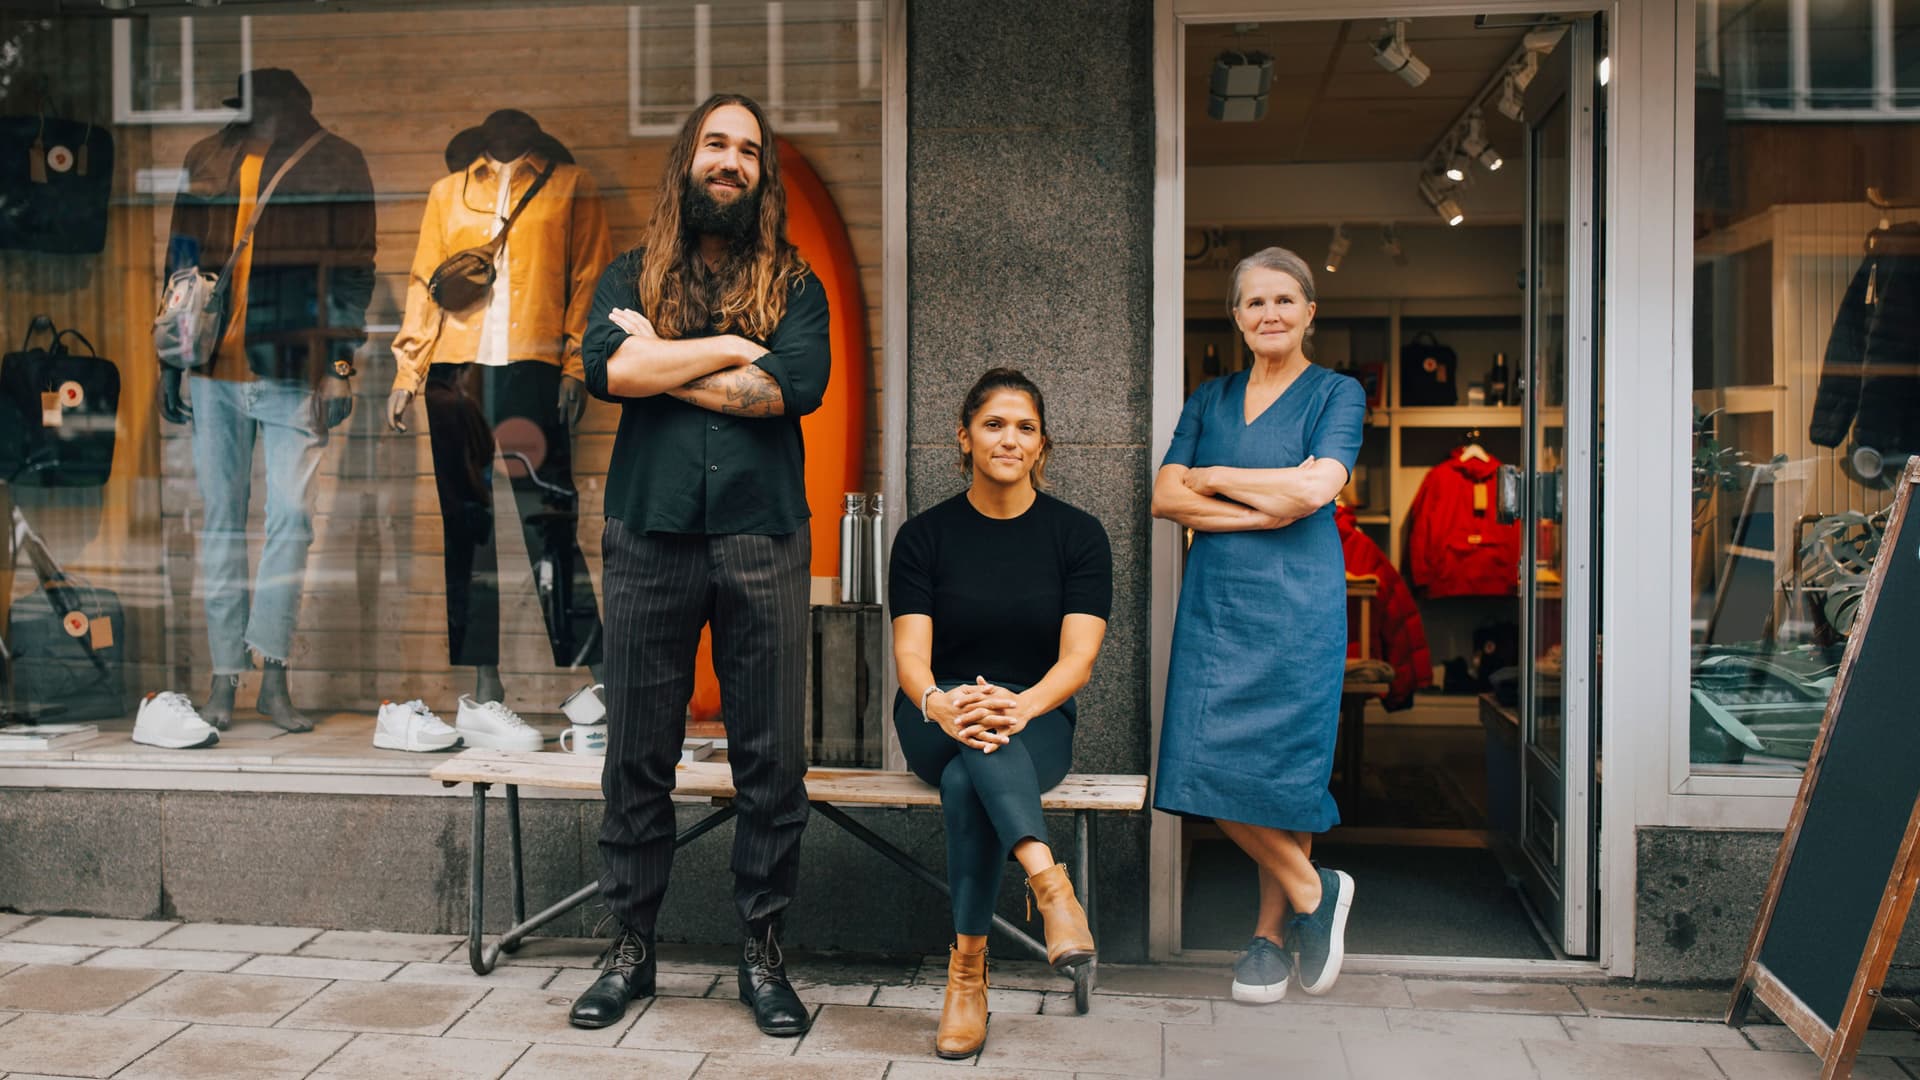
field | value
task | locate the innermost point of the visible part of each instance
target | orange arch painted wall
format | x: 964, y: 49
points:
x: 836, y: 432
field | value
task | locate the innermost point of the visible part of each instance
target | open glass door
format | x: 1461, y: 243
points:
x: 1552, y: 491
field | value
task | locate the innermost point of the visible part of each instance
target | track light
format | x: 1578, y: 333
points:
x: 1390, y: 245
x: 1442, y: 202
x: 1512, y: 104
x: 1337, y: 249
x: 1457, y: 167
x: 1475, y: 146
x: 1390, y: 51
x: 1237, y: 92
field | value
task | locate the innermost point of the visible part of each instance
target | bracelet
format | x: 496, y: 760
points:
x: 924, y: 695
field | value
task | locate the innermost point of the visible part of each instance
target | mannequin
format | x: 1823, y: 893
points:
x: 506, y: 373
x: 276, y: 379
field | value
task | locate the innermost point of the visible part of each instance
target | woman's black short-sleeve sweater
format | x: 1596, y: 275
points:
x: 998, y: 589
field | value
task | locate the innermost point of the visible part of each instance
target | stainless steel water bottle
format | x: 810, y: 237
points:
x: 876, y: 529
x: 850, y: 540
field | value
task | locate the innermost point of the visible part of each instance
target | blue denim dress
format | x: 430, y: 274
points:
x: 1260, y: 639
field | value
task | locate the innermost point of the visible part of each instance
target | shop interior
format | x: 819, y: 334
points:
x: 1390, y: 156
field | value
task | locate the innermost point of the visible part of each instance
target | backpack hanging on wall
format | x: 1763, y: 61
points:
x: 62, y: 409
x: 1429, y: 372
x: 55, y: 176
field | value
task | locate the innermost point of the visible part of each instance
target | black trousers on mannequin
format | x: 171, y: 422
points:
x: 470, y: 407
x: 990, y: 802
x: 661, y: 589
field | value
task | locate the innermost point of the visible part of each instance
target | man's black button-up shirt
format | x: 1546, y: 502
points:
x: 679, y: 468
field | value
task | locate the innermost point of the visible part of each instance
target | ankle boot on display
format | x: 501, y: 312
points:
x: 963, y: 1013
x: 1069, y: 939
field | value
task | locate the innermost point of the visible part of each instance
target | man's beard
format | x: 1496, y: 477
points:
x: 733, y: 221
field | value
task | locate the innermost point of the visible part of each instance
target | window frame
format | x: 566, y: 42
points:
x: 1800, y: 66
x: 186, y: 113
x: 868, y: 19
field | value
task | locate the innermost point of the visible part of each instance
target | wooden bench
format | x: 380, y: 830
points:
x: 1083, y: 795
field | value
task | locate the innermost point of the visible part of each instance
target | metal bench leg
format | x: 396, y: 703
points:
x: 1083, y: 973
x: 515, y: 866
x: 477, y: 954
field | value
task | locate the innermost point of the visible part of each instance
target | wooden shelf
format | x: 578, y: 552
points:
x: 1430, y: 416
x: 1373, y: 519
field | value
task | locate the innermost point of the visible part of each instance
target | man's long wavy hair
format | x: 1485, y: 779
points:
x: 749, y: 296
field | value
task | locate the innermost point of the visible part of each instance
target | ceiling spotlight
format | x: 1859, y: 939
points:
x: 1390, y: 245
x: 1512, y: 104
x: 1337, y: 249
x: 1237, y: 92
x: 1442, y: 201
x: 1390, y: 51
x: 1524, y: 69
x: 1475, y: 146
x: 1457, y: 167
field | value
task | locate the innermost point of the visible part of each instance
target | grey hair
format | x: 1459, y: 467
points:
x: 1273, y: 258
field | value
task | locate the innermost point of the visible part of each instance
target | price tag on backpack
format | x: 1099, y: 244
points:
x: 50, y: 409
x: 102, y: 633
x: 75, y: 624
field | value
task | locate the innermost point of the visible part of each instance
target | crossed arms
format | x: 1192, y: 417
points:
x: 715, y: 373
x: 1220, y: 499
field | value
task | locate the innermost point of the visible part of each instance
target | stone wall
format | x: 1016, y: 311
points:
x: 1030, y: 241
x: 1699, y: 892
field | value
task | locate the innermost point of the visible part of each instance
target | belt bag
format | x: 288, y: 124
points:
x: 462, y: 280
x: 187, y: 328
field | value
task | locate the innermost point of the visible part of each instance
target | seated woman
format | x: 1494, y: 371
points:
x: 1000, y: 597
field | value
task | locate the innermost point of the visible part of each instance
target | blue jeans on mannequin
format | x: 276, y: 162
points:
x: 229, y: 417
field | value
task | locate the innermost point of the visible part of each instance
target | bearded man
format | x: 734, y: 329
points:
x: 712, y: 338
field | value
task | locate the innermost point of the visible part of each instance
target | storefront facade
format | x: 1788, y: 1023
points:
x: 1024, y: 186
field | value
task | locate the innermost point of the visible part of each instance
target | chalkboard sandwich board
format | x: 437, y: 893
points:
x: 1848, y: 864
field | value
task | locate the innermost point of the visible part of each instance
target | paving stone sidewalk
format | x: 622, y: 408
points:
x: 162, y: 1000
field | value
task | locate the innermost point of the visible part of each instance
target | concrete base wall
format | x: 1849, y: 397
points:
x: 1699, y: 893
x: 402, y: 863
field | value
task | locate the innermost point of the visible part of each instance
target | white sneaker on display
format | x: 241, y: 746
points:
x: 168, y: 720
x: 492, y: 726
x: 412, y: 726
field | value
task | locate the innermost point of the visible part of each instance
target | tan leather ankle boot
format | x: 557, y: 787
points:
x: 1069, y: 939
x: 963, y: 1014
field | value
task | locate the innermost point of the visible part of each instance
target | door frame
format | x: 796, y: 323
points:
x: 1640, y: 353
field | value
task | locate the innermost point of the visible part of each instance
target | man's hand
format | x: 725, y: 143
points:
x: 397, y: 403
x: 173, y: 404
x: 573, y: 400
x: 632, y: 322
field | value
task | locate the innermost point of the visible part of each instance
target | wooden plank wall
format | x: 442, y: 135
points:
x: 399, y: 86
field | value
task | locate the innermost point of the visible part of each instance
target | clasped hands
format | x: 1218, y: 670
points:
x: 981, y: 715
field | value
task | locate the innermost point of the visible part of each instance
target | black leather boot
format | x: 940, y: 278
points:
x: 627, y: 972
x: 765, y: 990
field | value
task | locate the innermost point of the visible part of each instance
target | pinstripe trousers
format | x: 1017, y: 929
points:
x: 660, y: 590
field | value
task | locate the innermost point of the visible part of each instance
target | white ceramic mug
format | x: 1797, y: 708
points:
x: 586, y: 705
x: 588, y: 739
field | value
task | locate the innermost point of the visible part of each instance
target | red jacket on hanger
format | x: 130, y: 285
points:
x: 1456, y: 545
x: 1399, y: 637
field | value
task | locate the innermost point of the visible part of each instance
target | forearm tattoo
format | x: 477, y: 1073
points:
x: 741, y: 391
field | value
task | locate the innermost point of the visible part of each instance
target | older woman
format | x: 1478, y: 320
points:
x: 1260, y: 639
x: 1000, y: 598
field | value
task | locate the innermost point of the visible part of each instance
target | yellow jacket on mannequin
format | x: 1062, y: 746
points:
x: 559, y: 247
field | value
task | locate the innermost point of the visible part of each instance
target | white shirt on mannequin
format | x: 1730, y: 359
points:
x: 494, y: 347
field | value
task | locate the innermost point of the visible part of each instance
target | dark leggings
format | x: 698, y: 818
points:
x: 991, y: 801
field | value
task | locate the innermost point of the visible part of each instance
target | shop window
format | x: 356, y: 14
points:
x: 1806, y: 59
x: 179, y: 70
x: 802, y: 60
x: 1805, y: 404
